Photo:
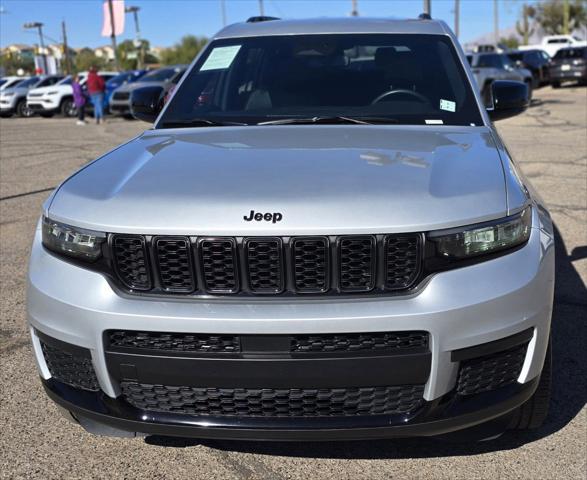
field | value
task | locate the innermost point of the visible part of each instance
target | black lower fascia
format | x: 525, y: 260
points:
x: 449, y: 414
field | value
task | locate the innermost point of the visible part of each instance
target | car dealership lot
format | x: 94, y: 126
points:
x: 550, y: 144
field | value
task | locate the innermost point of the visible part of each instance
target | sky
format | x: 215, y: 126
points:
x: 164, y: 22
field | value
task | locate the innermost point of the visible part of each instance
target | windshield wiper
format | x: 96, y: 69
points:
x: 329, y: 120
x: 199, y: 122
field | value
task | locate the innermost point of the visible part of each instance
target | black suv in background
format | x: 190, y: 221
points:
x: 537, y: 61
x: 569, y: 65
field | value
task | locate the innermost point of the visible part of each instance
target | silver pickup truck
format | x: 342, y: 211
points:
x: 490, y: 66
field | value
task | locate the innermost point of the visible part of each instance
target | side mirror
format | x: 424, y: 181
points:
x: 146, y: 103
x: 509, y: 98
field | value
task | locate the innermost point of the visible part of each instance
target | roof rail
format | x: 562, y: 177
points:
x: 425, y: 16
x: 260, y: 18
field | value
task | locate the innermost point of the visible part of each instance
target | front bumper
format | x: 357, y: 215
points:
x: 460, y: 309
x: 7, y: 104
x: 43, y: 104
x: 573, y: 73
x: 120, y: 107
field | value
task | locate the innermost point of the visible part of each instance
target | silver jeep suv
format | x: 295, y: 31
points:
x: 322, y: 237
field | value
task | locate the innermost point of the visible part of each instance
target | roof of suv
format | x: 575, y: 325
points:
x: 332, y: 25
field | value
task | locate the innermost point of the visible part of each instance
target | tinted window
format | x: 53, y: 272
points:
x: 558, y: 40
x: 49, y: 81
x: 161, y: 75
x: 571, y: 53
x: 516, y: 56
x: 29, y: 82
x: 407, y: 78
x: 490, y: 61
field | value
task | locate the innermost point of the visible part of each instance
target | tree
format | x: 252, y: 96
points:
x: 551, y: 15
x: 129, y: 54
x: 524, y: 29
x: 510, y: 42
x: 12, y: 63
x: 86, y: 58
x: 184, y: 51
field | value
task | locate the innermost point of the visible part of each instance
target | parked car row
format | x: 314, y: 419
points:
x: 48, y: 95
x: 533, y: 67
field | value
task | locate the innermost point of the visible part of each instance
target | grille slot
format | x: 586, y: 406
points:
x: 219, y: 265
x: 353, y: 342
x: 402, y: 260
x: 266, y: 402
x: 174, y: 342
x: 75, y: 370
x: 310, y: 264
x: 175, y: 265
x: 357, y: 263
x: 265, y: 264
x: 320, y: 265
x: 130, y: 255
x: 490, y: 372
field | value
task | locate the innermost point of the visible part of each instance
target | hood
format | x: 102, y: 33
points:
x: 322, y: 179
x: 51, y: 88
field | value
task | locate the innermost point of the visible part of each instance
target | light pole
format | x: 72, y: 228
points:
x: 139, y: 43
x: 39, y: 27
x: 428, y: 7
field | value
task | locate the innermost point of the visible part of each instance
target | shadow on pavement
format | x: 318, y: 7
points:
x: 569, y: 391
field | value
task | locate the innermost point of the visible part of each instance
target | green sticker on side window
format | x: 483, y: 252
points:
x: 220, y: 57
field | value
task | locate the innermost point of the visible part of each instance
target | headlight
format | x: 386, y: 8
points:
x: 8, y: 94
x: 54, y: 92
x: 483, y: 238
x: 72, y: 241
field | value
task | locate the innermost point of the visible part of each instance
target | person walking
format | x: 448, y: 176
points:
x: 96, y: 88
x: 79, y: 100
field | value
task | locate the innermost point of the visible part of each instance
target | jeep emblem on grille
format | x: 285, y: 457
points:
x: 268, y: 217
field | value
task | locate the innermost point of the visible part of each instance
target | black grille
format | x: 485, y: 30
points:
x: 120, y: 95
x: 71, y: 369
x: 218, y: 259
x: 353, y: 342
x: 175, y: 265
x: 247, y: 402
x: 402, y: 259
x: 174, y: 342
x: 491, y: 371
x: 310, y: 264
x: 320, y: 265
x: 357, y: 263
x: 130, y: 255
x: 264, y: 260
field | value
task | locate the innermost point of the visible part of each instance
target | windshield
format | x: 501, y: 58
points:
x: 125, y: 77
x: 408, y: 79
x: 571, y: 53
x: 161, y: 75
x: 65, y: 81
x: 28, y: 83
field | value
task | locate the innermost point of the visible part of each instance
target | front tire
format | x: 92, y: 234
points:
x: 23, y: 111
x: 68, y: 108
x: 531, y: 414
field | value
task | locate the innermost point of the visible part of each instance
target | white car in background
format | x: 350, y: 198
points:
x: 10, y: 81
x: 59, y: 98
x: 553, y: 43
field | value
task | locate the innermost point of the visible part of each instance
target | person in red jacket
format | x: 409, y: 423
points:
x: 95, y: 84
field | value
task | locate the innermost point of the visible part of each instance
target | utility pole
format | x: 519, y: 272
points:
x: 39, y: 27
x: 223, y: 12
x: 355, y: 9
x: 113, y: 35
x: 66, y: 49
x: 457, y: 13
x: 138, y: 41
x: 566, y: 14
x: 261, y: 8
x: 428, y: 7
x: 495, y: 22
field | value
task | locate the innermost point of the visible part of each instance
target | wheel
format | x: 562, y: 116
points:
x: 22, y: 110
x: 556, y: 84
x: 486, y: 94
x: 530, y: 90
x: 68, y: 108
x: 532, y: 414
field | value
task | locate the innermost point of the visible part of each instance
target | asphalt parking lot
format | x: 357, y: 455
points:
x: 550, y: 143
